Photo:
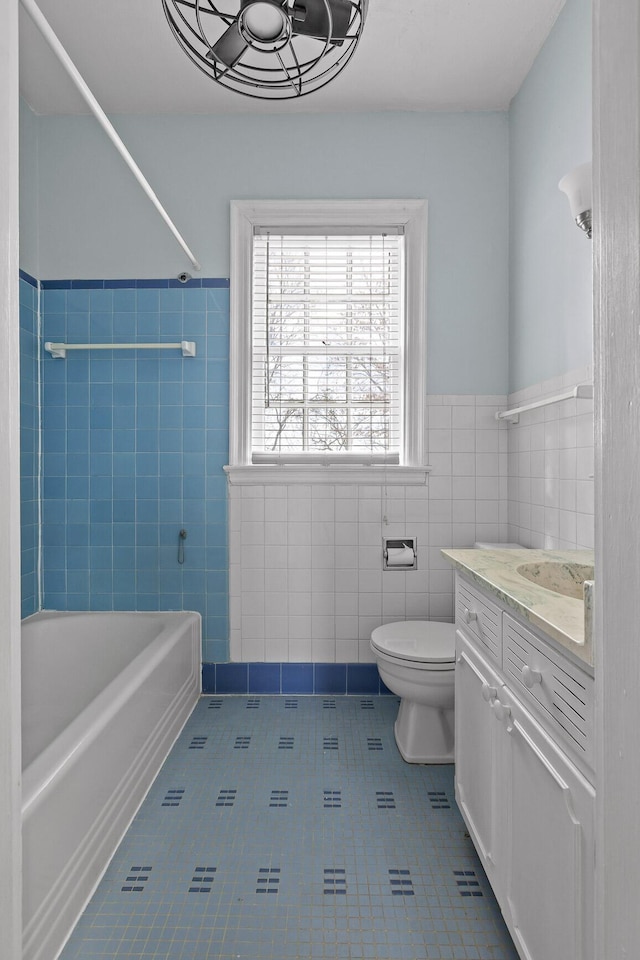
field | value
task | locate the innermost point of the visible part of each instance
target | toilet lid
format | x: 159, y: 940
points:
x: 425, y: 641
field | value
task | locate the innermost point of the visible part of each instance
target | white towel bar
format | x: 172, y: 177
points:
x: 583, y: 391
x: 188, y: 347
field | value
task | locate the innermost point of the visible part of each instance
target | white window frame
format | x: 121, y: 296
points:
x: 411, y: 215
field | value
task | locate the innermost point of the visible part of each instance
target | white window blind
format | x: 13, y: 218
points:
x: 327, y: 336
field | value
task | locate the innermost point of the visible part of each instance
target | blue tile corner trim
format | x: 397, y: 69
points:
x: 293, y: 678
x: 27, y: 278
x: 209, y: 677
x: 231, y: 678
x: 163, y: 283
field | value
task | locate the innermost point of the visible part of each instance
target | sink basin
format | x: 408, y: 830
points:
x: 557, y: 576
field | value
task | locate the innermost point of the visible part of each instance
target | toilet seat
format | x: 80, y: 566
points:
x: 418, y: 641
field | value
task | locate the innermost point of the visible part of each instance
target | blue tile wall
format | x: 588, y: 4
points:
x: 29, y: 442
x: 134, y: 443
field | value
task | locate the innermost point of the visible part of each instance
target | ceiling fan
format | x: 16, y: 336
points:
x: 270, y: 49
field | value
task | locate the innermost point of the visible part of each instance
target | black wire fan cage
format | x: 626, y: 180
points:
x: 270, y: 49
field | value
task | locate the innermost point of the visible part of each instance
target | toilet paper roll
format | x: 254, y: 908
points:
x: 400, y: 557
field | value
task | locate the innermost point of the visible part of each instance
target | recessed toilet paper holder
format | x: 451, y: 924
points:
x: 399, y: 553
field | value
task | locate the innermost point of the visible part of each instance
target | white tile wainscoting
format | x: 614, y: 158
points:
x: 306, y: 578
x: 551, y: 468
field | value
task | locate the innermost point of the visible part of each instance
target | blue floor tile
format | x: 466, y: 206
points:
x: 289, y: 827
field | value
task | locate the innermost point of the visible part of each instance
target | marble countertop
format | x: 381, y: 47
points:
x: 561, y: 618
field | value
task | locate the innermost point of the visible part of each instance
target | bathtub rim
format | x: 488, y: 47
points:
x: 69, y: 745
x: 50, y: 924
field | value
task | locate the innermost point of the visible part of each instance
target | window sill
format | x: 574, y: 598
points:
x: 393, y: 475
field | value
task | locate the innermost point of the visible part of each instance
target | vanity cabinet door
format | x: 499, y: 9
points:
x: 549, y: 809
x: 477, y: 762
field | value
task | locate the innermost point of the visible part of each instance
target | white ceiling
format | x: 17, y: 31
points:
x: 413, y: 55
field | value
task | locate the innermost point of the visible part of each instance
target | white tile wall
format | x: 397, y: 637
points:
x: 306, y: 578
x: 550, y: 468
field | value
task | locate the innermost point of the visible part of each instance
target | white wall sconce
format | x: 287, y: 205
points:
x: 577, y: 186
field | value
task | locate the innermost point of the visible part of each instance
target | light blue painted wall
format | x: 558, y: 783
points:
x: 550, y: 329
x: 96, y: 222
x: 29, y: 225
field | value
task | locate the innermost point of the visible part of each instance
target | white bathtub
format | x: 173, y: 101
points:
x: 104, y: 696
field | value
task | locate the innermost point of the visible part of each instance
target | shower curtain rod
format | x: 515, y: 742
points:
x: 47, y: 32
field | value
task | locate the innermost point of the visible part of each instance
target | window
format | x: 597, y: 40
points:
x: 327, y: 340
x: 326, y: 346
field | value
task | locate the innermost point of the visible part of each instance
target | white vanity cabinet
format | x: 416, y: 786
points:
x: 477, y: 735
x: 523, y: 741
x: 477, y: 739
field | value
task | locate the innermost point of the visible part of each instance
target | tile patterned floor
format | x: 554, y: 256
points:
x: 290, y: 827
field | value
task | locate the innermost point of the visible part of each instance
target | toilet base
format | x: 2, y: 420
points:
x: 424, y: 734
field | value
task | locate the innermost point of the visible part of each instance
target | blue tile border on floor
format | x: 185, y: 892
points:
x: 363, y: 678
x: 231, y: 678
x: 330, y: 678
x: 264, y: 678
x: 297, y: 678
x: 301, y: 678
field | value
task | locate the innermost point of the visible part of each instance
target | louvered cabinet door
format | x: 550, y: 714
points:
x: 558, y: 691
x: 549, y: 870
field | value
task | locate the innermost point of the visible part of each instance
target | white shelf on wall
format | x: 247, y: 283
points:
x: 583, y: 391
x: 59, y: 350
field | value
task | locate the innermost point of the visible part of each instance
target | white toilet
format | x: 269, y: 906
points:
x: 416, y: 661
